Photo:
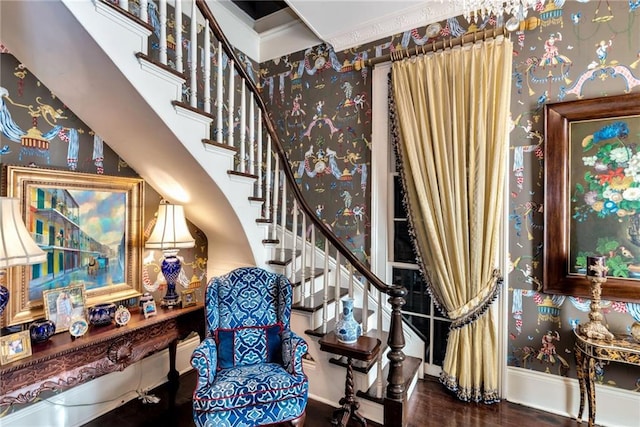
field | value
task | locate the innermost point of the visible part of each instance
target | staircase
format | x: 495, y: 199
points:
x: 203, y: 123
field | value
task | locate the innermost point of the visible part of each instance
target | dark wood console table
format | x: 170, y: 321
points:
x: 62, y: 363
x: 587, y: 351
x: 365, y: 349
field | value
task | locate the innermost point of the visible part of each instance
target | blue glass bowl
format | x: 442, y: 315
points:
x: 41, y: 330
x: 102, y: 314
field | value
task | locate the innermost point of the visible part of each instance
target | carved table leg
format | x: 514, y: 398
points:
x: 349, y: 403
x: 173, y: 376
x: 581, y: 381
x: 591, y: 390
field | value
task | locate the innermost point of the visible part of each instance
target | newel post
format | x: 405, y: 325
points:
x: 396, y: 396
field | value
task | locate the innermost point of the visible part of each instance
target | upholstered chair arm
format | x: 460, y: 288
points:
x: 204, y: 360
x: 293, y: 349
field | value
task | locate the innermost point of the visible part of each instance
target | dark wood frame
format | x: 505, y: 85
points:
x: 557, y: 214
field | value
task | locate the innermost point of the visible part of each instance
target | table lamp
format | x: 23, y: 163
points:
x: 170, y: 234
x: 17, y: 247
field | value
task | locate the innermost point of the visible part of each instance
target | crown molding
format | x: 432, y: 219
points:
x: 406, y: 19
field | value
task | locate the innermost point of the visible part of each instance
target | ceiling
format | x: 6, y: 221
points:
x: 341, y: 23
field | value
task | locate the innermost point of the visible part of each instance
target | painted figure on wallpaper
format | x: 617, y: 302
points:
x: 598, y: 70
x: 33, y: 142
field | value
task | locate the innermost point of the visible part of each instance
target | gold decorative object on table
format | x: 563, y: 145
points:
x: 597, y: 274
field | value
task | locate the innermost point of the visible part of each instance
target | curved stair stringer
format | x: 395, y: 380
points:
x: 130, y: 108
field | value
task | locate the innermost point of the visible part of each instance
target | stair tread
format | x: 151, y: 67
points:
x: 307, y: 306
x: 308, y: 274
x: 283, y: 257
x: 410, y: 368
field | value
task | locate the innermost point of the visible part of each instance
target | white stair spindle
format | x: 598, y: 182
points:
x: 275, y: 187
x: 231, y: 103
x: 206, y: 62
x: 283, y: 220
x: 365, y: 306
x: 303, y: 255
x: 219, y: 102
x: 124, y: 5
x: 163, y: 32
x: 252, y: 136
x: 312, y: 275
x: 193, y: 57
x: 144, y: 10
x: 259, y: 163
x: 350, y: 281
x: 294, y: 248
x: 178, y: 35
x: 336, y: 288
x: 243, y: 125
x: 325, y: 287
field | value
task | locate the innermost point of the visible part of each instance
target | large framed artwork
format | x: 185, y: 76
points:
x: 89, y: 225
x: 592, y: 195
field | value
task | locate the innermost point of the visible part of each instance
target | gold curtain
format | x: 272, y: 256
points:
x: 450, y: 114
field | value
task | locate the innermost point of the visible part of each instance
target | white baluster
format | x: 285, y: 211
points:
x: 312, y: 276
x: 219, y: 102
x: 163, y: 32
x: 231, y: 103
x: 283, y: 218
x: 303, y: 255
x: 206, y: 59
x: 252, y: 135
x: 325, y: 287
x: 260, y: 162
x: 365, y: 306
x: 243, y: 125
x: 276, y: 189
x: 193, y: 57
x: 336, y: 287
x: 124, y: 4
x: 350, y: 281
x: 144, y: 10
x: 294, y: 248
x: 178, y: 35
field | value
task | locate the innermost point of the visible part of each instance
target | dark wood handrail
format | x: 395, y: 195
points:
x: 344, y: 251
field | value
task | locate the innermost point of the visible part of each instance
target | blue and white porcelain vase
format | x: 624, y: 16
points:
x: 347, y: 328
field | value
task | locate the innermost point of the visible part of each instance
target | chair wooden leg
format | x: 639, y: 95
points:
x: 299, y: 422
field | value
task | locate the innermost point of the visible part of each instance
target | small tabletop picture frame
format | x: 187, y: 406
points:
x: 78, y: 327
x: 14, y: 347
x: 189, y: 298
x: 123, y: 315
x: 61, y: 305
x: 149, y: 309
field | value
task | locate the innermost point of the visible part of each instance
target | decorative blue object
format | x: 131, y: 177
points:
x: 170, y: 268
x: 102, y: 314
x: 347, y: 328
x: 41, y: 330
x: 250, y: 363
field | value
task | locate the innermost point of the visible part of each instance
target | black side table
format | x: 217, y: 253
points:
x: 365, y: 349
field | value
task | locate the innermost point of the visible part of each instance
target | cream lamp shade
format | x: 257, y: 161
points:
x: 170, y: 234
x: 17, y: 247
x: 170, y: 231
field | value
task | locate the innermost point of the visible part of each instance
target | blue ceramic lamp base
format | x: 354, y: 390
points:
x: 170, y: 268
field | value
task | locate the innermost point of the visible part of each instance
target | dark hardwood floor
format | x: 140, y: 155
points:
x: 430, y: 405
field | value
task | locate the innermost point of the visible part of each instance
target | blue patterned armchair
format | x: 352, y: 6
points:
x: 250, y: 363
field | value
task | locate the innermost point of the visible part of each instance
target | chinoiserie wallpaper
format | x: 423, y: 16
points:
x: 563, y: 50
x: 38, y: 130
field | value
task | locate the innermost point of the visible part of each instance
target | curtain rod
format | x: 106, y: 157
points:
x: 437, y: 45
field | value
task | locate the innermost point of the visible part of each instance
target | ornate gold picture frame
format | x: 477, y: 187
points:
x: 89, y: 225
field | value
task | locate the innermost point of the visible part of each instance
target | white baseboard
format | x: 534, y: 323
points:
x: 83, y: 403
x: 561, y: 396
